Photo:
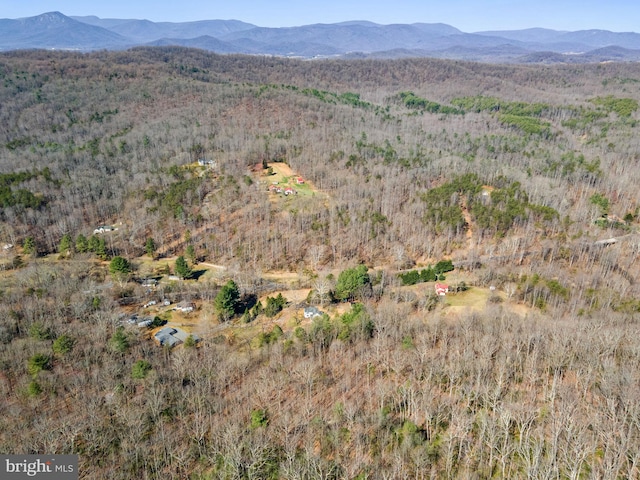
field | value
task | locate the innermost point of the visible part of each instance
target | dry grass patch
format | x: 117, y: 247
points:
x: 474, y: 298
x: 292, y: 296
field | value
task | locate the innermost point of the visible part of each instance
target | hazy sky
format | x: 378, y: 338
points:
x: 467, y: 15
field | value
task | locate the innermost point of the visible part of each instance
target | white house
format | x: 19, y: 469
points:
x: 103, y: 229
x: 203, y: 162
x: 185, y: 307
x: 310, y: 312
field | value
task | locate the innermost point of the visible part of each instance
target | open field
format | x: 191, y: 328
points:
x: 284, y: 177
x: 473, y: 299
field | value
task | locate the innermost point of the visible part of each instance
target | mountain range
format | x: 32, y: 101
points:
x: 355, y: 39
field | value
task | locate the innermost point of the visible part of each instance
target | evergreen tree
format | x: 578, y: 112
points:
x: 82, y: 245
x: 443, y: 266
x: 29, y: 246
x: 150, y: 247
x: 182, y: 268
x: 119, y: 341
x: 98, y: 246
x: 352, y: 282
x: 119, y: 265
x: 120, y: 268
x: 427, y: 275
x: 92, y: 244
x: 191, y: 253
x: 65, y: 244
x: 101, y: 249
x: 275, y: 305
x: 226, y: 302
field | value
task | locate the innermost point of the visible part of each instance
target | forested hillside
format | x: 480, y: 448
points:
x: 516, y: 185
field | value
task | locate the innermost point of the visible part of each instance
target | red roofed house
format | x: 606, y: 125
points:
x: 300, y: 180
x: 289, y: 191
x: 441, y: 289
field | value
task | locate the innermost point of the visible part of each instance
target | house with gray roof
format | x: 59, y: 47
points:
x: 169, y: 336
x: 165, y: 337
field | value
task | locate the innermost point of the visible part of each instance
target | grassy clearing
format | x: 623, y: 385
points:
x: 152, y: 268
x: 473, y: 298
x: 285, y: 177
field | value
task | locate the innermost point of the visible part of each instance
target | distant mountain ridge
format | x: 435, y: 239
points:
x: 147, y: 31
x: 54, y: 30
x: 352, y: 39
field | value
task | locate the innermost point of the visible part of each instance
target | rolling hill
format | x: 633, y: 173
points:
x: 515, y: 184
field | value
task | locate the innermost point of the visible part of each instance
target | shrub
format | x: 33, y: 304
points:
x: 259, y: 418
x: 140, y: 369
x: 267, y: 338
x: 407, y: 343
x: 38, y: 363
x: 157, y: 322
x: 300, y: 333
x: 428, y: 274
x: 119, y: 341
x: 355, y: 323
x: 63, y: 344
x: 600, y: 201
x: 277, y: 332
x: 38, y: 331
x: 34, y: 389
x: 275, y: 305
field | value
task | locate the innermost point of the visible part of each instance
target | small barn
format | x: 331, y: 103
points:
x: 441, y: 289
